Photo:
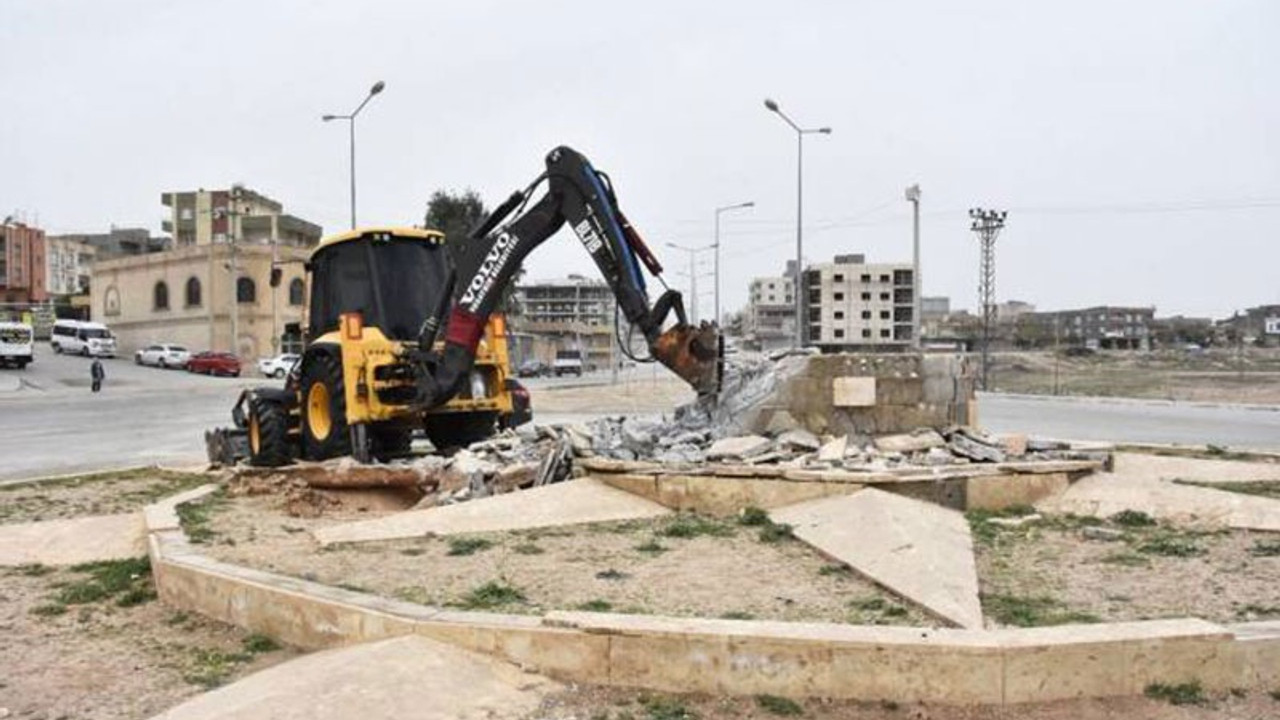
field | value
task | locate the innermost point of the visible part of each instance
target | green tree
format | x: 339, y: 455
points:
x: 455, y: 214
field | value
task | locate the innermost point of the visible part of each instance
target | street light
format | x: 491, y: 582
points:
x: 800, y: 133
x: 351, y: 121
x: 726, y: 208
x: 913, y: 197
x: 693, y: 277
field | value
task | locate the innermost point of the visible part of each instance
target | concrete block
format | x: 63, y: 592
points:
x: 910, y: 442
x: 737, y: 448
x: 959, y: 675
x: 996, y: 492
x: 668, y: 662
x: 899, y: 391
x: 853, y: 392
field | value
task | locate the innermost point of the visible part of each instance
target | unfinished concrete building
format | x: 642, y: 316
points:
x: 573, y: 313
x: 854, y: 305
x: 770, y: 318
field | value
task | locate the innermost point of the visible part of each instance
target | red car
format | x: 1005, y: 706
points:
x: 214, y: 363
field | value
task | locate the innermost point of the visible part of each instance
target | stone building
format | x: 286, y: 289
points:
x: 855, y: 305
x: 573, y: 313
x: 215, y: 283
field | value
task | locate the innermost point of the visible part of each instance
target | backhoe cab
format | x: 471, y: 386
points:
x: 375, y: 369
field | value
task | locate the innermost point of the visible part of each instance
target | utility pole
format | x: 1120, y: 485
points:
x: 913, y: 197
x: 986, y: 224
x: 692, y: 305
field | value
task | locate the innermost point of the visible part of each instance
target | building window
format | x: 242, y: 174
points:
x: 839, y: 334
x: 866, y: 333
x: 160, y: 296
x: 193, y: 292
x: 884, y: 333
x: 839, y: 314
x: 884, y: 314
x: 111, y: 301
x: 884, y: 296
x: 296, y: 291
x: 246, y: 290
x: 839, y: 297
x: 866, y: 296
x: 866, y: 278
x: 866, y: 314
x: 837, y: 278
x: 884, y: 278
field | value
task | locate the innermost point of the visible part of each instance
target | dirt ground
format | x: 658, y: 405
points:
x: 99, y: 494
x: 683, y: 567
x: 597, y: 703
x: 94, y: 644
x: 1050, y: 572
x: 1213, y: 376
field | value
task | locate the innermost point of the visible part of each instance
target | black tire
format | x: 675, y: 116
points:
x: 446, y: 430
x: 322, y: 368
x: 268, y: 433
x: 389, y: 441
x: 57, y: 349
x: 278, y: 374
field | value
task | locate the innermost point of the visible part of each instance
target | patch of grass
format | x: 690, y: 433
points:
x: 611, y: 574
x: 459, y: 546
x: 176, y: 618
x: 129, y: 581
x: 660, y: 708
x: 31, y: 570
x: 688, y: 525
x: 491, y: 595
x: 753, y: 516
x: 737, y: 615
x: 1133, y: 518
x: 895, y: 611
x: 1263, y: 488
x: 871, y: 604
x: 1182, y: 694
x: 1019, y: 611
x: 775, y: 532
x: 412, y: 552
x: 256, y: 644
x: 49, y: 609
x: 836, y: 569
x: 1256, y: 610
x: 195, y: 516
x: 113, y: 476
x: 596, y: 606
x: 779, y: 705
x: 211, y: 668
x: 1263, y: 548
x: 353, y: 587
x: 1171, y: 545
x: 528, y: 548
x: 1126, y: 558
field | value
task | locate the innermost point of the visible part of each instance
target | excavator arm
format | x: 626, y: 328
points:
x: 582, y: 197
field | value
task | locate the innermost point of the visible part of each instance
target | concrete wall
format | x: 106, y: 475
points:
x: 871, y: 394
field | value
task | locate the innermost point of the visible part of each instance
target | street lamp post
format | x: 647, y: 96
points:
x: 693, y: 277
x: 351, y: 122
x: 726, y: 208
x: 913, y: 197
x: 800, y: 133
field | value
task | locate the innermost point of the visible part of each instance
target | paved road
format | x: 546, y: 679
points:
x: 54, y: 425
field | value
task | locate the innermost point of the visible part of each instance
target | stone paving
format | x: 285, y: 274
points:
x: 74, y: 541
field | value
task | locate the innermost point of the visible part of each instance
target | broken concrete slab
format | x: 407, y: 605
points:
x: 799, y: 439
x: 74, y: 541
x: 1106, y: 494
x: 975, y: 449
x: 1161, y: 467
x: 916, y: 549
x: 834, y: 450
x: 409, y: 676
x: 918, y: 441
x: 567, y: 503
x: 738, y: 448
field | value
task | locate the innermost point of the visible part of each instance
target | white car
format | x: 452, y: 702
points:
x: 278, y: 366
x: 163, y: 356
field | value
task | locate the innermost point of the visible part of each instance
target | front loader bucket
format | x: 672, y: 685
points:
x: 695, y: 354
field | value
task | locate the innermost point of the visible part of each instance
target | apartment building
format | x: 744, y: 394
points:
x: 69, y: 265
x: 117, y: 242
x: 855, y: 305
x: 573, y: 313
x: 22, y: 264
x: 1102, y: 327
x: 769, y: 322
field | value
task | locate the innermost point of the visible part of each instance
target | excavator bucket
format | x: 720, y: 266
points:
x: 696, y: 354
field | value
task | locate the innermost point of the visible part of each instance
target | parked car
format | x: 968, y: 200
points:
x: 533, y: 368
x: 163, y: 356
x: 82, y: 338
x: 568, y: 362
x: 278, y: 366
x: 214, y: 363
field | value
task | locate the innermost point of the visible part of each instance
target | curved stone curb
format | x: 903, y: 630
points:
x: 899, y: 664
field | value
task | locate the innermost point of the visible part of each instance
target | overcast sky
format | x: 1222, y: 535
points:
x: 1134, y: 144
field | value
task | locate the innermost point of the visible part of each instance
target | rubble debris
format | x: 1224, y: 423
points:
x: 975, y: 445
x: 833, y: 451
x: 918, y: 441
x: 799, y: 439
x: 1105, y: 534
x: 739, y: 448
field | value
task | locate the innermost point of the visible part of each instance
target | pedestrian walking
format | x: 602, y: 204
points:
x: 96, y: 372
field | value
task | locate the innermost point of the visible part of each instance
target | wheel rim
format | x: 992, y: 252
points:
x: 319, y: 419
x: 255, y: 435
